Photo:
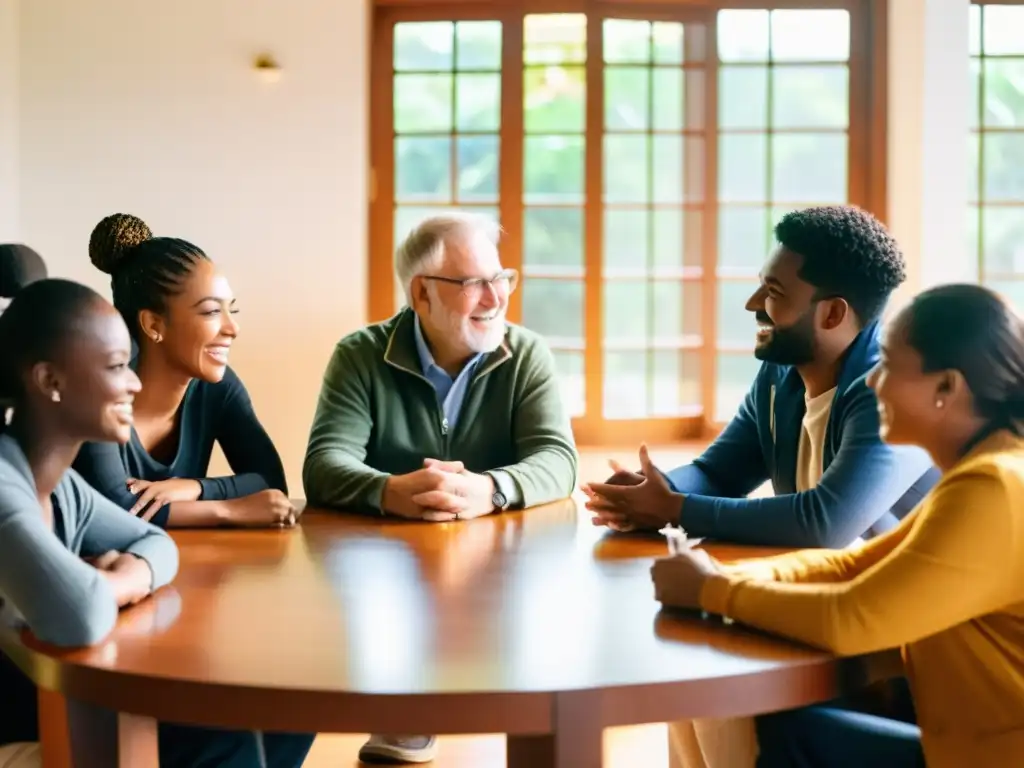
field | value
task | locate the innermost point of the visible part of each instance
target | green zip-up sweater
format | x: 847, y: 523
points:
x: 378, y: 416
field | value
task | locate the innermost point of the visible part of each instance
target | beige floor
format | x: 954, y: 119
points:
x: 634, y: 747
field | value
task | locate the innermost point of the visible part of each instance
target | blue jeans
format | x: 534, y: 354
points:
x: 190, y: 746
x: 832, y: 737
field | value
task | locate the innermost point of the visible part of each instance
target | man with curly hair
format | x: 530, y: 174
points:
x: 809, y: 424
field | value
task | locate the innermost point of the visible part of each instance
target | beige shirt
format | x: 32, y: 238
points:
x: 732, y: 743
x: 810, y: 454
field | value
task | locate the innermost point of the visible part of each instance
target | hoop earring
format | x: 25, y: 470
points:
x: 157, y: 338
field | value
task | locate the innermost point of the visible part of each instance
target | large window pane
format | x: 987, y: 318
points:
x: 423, y: 169
x: 742, y: 168
x: 809, y: 167
x: 1003, y: 236
x: 423, y: 103
x: 734, y: 374
x: 625, y: 385
x: 626, y: 98
x: 626, y: 239
x: 810, y: 35
x: 743, y: 97
x: 677, y: 239
x: 555, y: 38
x: 552, y: 237
x: 995, y: 218
x: 478, y: 45
x: 676, y: 308
x: 810, y: 97
x: 424, y: 46
x: 477, y: 168
x: 626, y: 311
x: 1003, y: 166
x: 553, y: 169
x: 742, y: 238
x: 1002, y: 32
x: 477, y: 102
x: 554, y: 308
x: 554, y: 99
x: 1011, y: 290
x: 736, y: 326
x: 669, y: 182
x: 676, y: 384
x: 668, y: 93
x: 625, y: 168
x: 742, y: 35
x: 1004, y: 93
x: 627, y: 41
x: 667, y: 40
x: 569, y: 367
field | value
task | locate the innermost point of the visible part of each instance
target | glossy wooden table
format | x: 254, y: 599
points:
x: 533, y: 624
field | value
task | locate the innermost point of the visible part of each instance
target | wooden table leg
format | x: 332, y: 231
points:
x: 577, y: 741
x: 104, y: 739
x: 54, y: 738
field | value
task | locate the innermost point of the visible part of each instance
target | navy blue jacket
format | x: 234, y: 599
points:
x: 866, y: 488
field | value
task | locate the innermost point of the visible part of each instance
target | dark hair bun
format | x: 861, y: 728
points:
x: 113, y: 239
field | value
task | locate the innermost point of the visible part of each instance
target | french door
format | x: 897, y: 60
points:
x: 637, y: 157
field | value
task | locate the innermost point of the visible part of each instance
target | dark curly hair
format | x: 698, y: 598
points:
x: 847, y: 252
x: 144, y: 270
x: 971, y: 329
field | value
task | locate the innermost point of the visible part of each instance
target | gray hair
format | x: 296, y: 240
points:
x: 424, y: 247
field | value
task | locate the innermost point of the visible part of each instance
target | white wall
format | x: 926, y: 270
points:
x: 9, y: 121
x: 927, y: 165
x: 154, y: 109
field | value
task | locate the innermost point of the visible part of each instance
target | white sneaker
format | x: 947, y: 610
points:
x: 398, y: 749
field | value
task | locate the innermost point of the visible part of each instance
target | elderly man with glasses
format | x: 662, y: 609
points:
x: 443, y: 412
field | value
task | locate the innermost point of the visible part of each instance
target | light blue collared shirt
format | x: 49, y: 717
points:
x: 450, y: 392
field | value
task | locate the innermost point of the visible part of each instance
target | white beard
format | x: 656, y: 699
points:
x: 460, y: 330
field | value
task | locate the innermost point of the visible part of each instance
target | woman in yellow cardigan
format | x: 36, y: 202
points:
x: 946, y: 585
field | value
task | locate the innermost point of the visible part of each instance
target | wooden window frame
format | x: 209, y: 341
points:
x: 866, y: 151
x: 981, y: 202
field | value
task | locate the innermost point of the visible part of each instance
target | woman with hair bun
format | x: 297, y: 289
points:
x: 181, y: 312
x: 946, y: 585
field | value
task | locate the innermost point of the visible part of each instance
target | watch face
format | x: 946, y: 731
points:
x: 498, y: 499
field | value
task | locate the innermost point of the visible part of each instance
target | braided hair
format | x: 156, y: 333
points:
x: 144, y: 270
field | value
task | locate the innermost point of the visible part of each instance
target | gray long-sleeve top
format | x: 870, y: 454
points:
x: 44, y: 582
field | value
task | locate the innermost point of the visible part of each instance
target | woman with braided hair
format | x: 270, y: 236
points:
x: 180, y: 312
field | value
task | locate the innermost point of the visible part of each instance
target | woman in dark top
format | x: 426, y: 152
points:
x: 181, y: 314
x: 70, y: 558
